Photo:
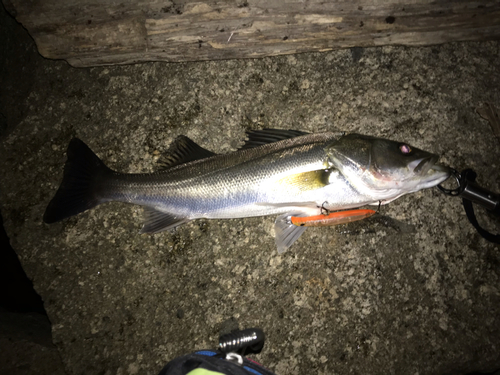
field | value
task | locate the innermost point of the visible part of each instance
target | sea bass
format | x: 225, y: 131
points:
x: 277, y: 172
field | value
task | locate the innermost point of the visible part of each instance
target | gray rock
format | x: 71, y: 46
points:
x: 413, y: 290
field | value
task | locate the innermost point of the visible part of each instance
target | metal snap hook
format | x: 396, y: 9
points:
x: 233, y: 357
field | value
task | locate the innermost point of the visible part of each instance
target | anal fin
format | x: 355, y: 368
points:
x: 156, y: 221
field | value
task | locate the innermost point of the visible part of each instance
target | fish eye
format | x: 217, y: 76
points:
x: 405, y: 149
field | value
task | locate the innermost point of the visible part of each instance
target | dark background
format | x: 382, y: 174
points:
x: 17, y: 293
x: 25, y: 331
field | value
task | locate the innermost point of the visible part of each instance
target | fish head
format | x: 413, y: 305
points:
x: 384, y: 169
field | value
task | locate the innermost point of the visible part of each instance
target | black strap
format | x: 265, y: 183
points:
x: 469, y: 210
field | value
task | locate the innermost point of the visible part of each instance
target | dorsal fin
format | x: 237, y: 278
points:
x: 262, y: 137
x: 182, y: 150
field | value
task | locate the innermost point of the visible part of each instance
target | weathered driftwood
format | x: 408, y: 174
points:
x: 90, y: 32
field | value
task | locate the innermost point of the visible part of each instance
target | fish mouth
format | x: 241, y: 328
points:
x: 434, y: 174
x: 429, y: 172
x: 422, y: 166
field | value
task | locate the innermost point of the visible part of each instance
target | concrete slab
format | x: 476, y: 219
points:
x: 414, y: 290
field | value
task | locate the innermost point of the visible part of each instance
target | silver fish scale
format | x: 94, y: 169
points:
x: 234, y: 185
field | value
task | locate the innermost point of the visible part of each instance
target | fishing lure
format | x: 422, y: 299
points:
x: 334, y: 218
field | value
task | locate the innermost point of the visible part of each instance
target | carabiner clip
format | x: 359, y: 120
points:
x: 470, y: 193
x: 468, y: 189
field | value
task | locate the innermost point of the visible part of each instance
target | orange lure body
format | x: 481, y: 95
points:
x: 334, y: 218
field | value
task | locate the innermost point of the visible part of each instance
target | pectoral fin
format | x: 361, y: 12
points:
x: 305, y: 181
x: 287, y: 233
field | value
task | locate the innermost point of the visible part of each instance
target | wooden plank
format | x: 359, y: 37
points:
x: 90, y: 33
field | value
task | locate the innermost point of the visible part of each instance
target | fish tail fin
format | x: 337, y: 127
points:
x: 79, y: 190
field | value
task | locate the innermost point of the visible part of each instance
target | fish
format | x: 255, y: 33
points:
x: 289, y: 173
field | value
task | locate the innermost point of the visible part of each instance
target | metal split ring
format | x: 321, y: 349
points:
x: 458, y: 189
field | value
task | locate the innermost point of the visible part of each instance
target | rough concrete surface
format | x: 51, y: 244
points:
x: 414, y: 290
